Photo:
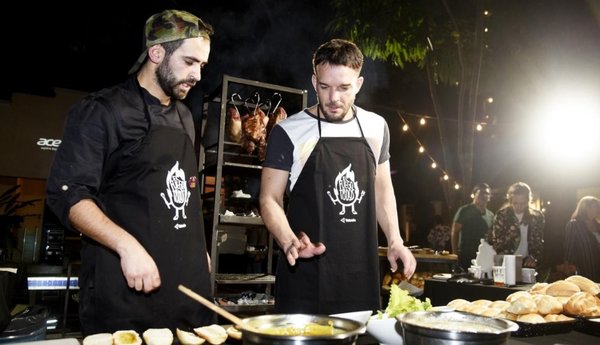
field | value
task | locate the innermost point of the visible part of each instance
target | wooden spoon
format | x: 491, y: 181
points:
x: 210, y: 305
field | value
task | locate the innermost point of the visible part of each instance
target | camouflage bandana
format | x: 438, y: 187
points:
x: 171, y: 25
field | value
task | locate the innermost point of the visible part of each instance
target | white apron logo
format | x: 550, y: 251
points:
x: 177, y: 192
x: 346, y: 192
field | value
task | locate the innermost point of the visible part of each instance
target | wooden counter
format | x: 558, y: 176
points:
x: 426, y: 256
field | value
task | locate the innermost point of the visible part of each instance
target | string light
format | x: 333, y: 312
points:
x: 434, y: 163
x: 479, y: 127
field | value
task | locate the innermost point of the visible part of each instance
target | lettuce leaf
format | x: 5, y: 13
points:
x: 401, y: 302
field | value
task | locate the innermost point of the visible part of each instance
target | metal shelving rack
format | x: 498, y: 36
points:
x: 225, y: 159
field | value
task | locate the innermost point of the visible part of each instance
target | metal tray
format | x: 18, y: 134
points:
x: 588, y: 325
x: 538, y: 329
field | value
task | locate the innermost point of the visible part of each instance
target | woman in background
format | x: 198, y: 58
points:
x: 582, y: 238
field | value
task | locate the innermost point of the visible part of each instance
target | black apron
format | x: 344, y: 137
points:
x: 333, y: 201
x: 154, y: 196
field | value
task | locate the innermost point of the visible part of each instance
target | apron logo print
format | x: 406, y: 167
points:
x: 346, y: 191
x: 177, y: 192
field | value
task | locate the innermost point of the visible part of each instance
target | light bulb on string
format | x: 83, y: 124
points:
x: 405, y: 127
x: 479, y: 127
x: 422, y: 121
x: 421, y: 149
x: 433, y: 165
x: 445, y: 177
x: 456, y: 186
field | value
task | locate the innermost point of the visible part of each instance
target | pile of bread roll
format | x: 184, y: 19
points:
x: 213, y: 334
x: 558, y: 301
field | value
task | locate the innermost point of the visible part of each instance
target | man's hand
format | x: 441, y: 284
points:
x: 139, y: 269
x: 302, y: 247
x: 399, y: 251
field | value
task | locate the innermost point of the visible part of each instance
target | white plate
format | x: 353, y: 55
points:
x: 442, y: 276
x: 359, y: 316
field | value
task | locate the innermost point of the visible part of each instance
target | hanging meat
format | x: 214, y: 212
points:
x: 233, y: 122
x: 278, y: 115
x: 254, y: 132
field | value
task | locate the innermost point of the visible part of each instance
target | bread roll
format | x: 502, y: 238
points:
x: 557, y: 318
x: 491, y: 312
x: 459, y: 302
x: 547, y: 304
x: 98, y: 339
x: 531, y: 318
x: 188, y: 338
x: 563, y: 300
x: 234, y: 333
x: 502, y: 305
x: 510, y: 316
x: 584, y: 284
x: 482, y: 302
x: 158, y: 336
x: 582, y: 304
x: 522, y: 306
x: 128, y: 337
x: 475, y: 309
x: 515, y: 295
x: 214, y: 333
x: 562, y: 288
x: 538, y: 288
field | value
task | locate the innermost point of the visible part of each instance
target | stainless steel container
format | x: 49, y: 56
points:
x: 454, y: 328
x: 350, y: 330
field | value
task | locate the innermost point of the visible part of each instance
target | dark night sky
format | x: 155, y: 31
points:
x: 90, y: 45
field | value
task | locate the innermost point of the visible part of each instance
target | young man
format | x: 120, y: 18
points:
x: 334, y: 158
x: 125, y: 176
x: 472, y: 222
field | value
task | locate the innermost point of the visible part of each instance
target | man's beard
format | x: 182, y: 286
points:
x: 168, y: 82
x: 332, y: 117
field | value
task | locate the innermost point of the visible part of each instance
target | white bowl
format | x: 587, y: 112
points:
x: 385, y: 331
x: 359, y: 316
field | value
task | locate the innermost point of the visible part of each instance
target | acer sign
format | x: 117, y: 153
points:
x: 31, y: 132
x: 48, y: 144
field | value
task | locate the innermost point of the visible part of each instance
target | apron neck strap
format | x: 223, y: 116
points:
x: 353, y: 116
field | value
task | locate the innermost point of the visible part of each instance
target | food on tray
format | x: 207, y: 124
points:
x: 538, y: 288
x: 214, y: 334
x: 234, y: 333
x: 557, y: 318
x: 543, y: 303
x: 562, y: 288
x: 128, y: 337
x: 458, y: 303
x: 502, y: 305
x: 482, y: 302
x: 515, y: 295
x: 429, y: 321
x: 98, y: 339
x: 584, y: 284
x: 158, y: 336
x: 188, y: 338
x: 531, y: 318
x: 417, y: 279
x: 583, y: 304
x: 547, y: 304
x: 522, y: 306
x: 308, y: 329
